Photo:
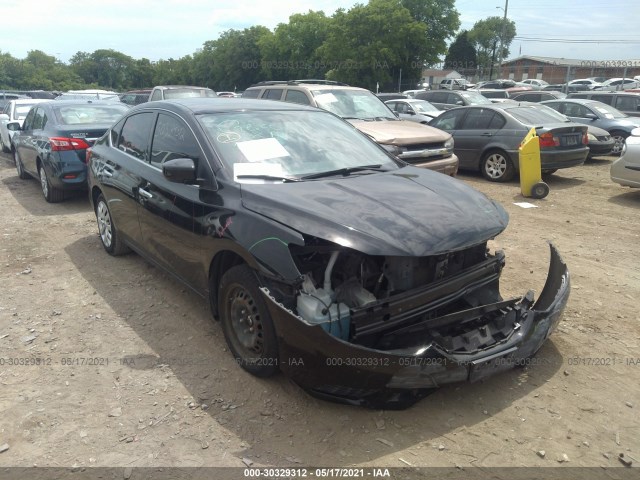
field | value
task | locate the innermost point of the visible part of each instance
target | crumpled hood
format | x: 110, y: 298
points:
x: 405, y: 212
x: 400, y: 132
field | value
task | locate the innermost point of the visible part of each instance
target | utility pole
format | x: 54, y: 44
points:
x: 504, y: 24
x: 400, y: 82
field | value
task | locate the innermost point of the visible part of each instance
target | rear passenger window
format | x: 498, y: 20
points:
x: 272, y: 93
x: 115, y: 132
x: 172, y: 139
x: 296, y: 96
x: 478, y: 119
x: 251, y: 93
x: 608, y: 99
x: 134, y: 138
x: 628, y: 104
x: 449, y: 120
x: 38, y: 119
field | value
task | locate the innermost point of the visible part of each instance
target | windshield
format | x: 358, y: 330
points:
x: 534, y: 116
x: 474, y: 98
x: 172, y: 93
x: 22, y: 110
x: 608, y: 111
x: 423, y: 106
x: 356, y: 104
x: 288, y: 144
x: 90, y: 113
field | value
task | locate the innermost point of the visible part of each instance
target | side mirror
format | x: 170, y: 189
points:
x: 591, y: 116
x: 180, y: 170
x: 459, y: 102
x: 13, y: 126
x: 411, y: 112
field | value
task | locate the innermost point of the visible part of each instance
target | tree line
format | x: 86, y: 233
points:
x: 383, y: 43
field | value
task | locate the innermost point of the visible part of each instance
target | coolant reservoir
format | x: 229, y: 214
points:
x: 318, y: 309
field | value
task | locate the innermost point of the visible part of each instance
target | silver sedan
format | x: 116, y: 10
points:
x: 626, y: 169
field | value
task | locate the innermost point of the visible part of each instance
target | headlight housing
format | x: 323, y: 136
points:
x: 449, y: 144
x: 591, y: 137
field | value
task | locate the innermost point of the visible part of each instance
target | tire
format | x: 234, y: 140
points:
x: 51, y: 194
x: 246, y: 322
x: 539, y: 190
x: 19, y: 167
x: 109, y: 236
x: 4, y: 148
x: 619, y: 139
x: 496, y: 166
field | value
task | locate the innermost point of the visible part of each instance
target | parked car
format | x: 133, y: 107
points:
x: 285, y: 218
x: 390, y: 96
x: 226, y: 94
x: 626, y: 169
x: 535, y: 83
x: 487, y: 138
x: 419, y: 145
x: 412, y: 93
x: 89, y: 94
x: 135, y: 97
x: 167, y: 92
x: 414, y: 110
x: 496, y: 95
x: 628, y: 103
x: 496, y: 84
x: 6, y: 97
x: 13, y: 111
x: 565, y: 88
x: 447, y: 100
x: 52, y: 141
x: 456, y: 84
x: 537, y: 96
x: 615, y: 84
x: 589, y: 83
x: 600, y: 141
x: 598, y: 114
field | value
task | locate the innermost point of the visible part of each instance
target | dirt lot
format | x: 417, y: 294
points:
x: 133, y: 371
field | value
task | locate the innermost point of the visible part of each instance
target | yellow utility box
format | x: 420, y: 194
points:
x: 531, y: 183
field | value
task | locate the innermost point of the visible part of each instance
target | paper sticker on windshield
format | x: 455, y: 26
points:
x: 326, y: 98
x: 263, y: 149
x: 270, y: 169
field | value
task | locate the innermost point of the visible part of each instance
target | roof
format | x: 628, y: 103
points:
x: 218, y: 105
x: 574, y: 62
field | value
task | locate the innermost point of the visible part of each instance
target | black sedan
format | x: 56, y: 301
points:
x: 52, y: 141
x: 487, y: 138
x: 365, y: 280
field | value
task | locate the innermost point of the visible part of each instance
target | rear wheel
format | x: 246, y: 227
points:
x: 246, y: 322
x: 51, y: 194
x: 19, y: 167
x: 496, y: 166
x: 619, y: 139
x: 108, y: 234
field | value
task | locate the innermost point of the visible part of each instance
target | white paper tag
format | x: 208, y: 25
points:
x: 525, y: 205
x: 263, y: 149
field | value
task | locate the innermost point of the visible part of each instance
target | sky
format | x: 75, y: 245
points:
x: 161, y: 29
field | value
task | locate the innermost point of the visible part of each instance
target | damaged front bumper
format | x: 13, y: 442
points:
x: 499, y: 336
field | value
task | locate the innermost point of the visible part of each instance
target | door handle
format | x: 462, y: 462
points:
x: 144, y: 193
x: 486, y: 135
x: 107, y: 173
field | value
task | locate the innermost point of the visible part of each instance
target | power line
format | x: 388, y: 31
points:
x: 582, y: 41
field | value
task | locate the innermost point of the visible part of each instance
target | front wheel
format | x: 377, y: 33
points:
x: 246, y: 322
x: 496, y: 166
x: 19, y: 167
x: 618, y: 138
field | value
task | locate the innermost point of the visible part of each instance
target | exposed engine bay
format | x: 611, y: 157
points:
x: 392, y: 303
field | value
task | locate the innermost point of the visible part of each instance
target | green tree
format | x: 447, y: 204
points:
x: 370, y: 44
x: 487, y: 35
x: 232, y: 61
x: 292, y: 51
x: 462, y: 55
x: 442, y: 20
